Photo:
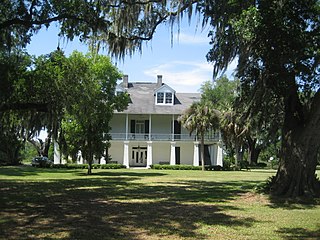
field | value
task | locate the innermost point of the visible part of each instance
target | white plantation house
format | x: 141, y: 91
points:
x: 148, y: 131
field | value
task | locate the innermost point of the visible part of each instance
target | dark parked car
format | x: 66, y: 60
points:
x: 41, y: 162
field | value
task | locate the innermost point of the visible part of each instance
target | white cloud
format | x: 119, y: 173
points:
x: 183, y: 76
x: 184, y: 38
x: 186, y: 76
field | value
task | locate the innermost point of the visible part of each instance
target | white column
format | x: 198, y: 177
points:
x: 196, y: 154
x: 173, y: 153
x: 172, y: 137
x: 127, y: 126
x: 79, y: 157
x: 126, y: 153
x: 149, y: 154
x: 219, y: 155
x: 57, y: 155
x: 103, y: 160
x: 150, y: 127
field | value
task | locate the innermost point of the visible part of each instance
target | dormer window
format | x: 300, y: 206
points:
x: 164, y: 98
x: 164, y: 95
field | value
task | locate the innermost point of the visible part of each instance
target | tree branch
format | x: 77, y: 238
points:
x: 40, y: 107
x: 29, y: 23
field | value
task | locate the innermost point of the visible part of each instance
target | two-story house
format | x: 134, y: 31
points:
x: 148, y: 131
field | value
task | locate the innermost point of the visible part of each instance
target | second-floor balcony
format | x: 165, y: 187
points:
x: 162, y: 137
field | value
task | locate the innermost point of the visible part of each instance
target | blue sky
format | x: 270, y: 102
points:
x: 182, y: 64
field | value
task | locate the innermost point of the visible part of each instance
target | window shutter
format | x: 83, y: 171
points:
x: 133, y: 126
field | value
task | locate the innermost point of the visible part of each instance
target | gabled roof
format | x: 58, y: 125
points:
x: 142, y: 96
x: 164, y: 87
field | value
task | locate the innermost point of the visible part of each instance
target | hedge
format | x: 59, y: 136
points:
x: 185, y: 167
x: 85, y: 166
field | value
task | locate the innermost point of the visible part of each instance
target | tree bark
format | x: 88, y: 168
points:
x: 300, y: 146
x: 253, y: 151
x: 239, y: 153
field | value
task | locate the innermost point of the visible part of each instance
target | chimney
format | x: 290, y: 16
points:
x: 125, y: 81
x: 159, y: 80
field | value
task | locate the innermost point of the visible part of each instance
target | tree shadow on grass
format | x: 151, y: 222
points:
x: 24, y: 170
x: 293, y: 203
x: 112, y: 173
x: 114, y: 208
x: 299, y: 233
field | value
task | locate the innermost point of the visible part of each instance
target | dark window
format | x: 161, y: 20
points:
x: 169, y: 97
x: 160, y: 97
x: 133, y: 126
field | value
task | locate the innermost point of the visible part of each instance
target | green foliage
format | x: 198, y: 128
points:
x: 85, y: 166
x: 221, y: 93
x: 175, y: 167
x: 85, y: 127
x: 261, y: 165
x: 228, y: 162
x: 120, y: 26
x: 28, y: 153
x: 185, y: 167
x: 201, y: 118
x: 266, y: 186
x: 244, y: 165
x: 10, y: 148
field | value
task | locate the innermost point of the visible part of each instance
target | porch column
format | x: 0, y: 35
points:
x: 173, y: 153
x: 149, y: 154
x: 127, y: 126
x: 57, y: 155
x: 219, y: 155
x: 172, y: 137
x: 196, y: 154
x: 79, y: 157
x: 103, y: 160
x: 150, y: 127
x: 126, y: 153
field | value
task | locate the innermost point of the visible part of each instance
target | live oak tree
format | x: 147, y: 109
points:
x: 277, y: 43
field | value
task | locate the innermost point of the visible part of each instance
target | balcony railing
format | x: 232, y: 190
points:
x: 162, y: 137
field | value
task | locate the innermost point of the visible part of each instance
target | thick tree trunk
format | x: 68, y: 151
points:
x: 300, y: 146
x: 239, y: 154
x: 296, y: 173
x: 47, y: 143
x: 89, y: 168
x: 253, y: 151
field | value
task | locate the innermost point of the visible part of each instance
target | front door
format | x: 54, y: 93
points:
x: 139, y: 157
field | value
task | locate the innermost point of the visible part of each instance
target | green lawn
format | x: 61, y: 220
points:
x: 147, y: 204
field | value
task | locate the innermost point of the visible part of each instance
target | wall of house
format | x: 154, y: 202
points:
x: 160, y: 152
x: 116, y: 151
x: 161, y: 124
x: 118, y: 123
x: 186, y: 152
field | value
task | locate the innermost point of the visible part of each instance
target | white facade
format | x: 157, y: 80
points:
x: 148, y: 131
x: 161, y: 147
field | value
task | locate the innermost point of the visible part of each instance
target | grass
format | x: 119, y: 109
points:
x: 147, y: 204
